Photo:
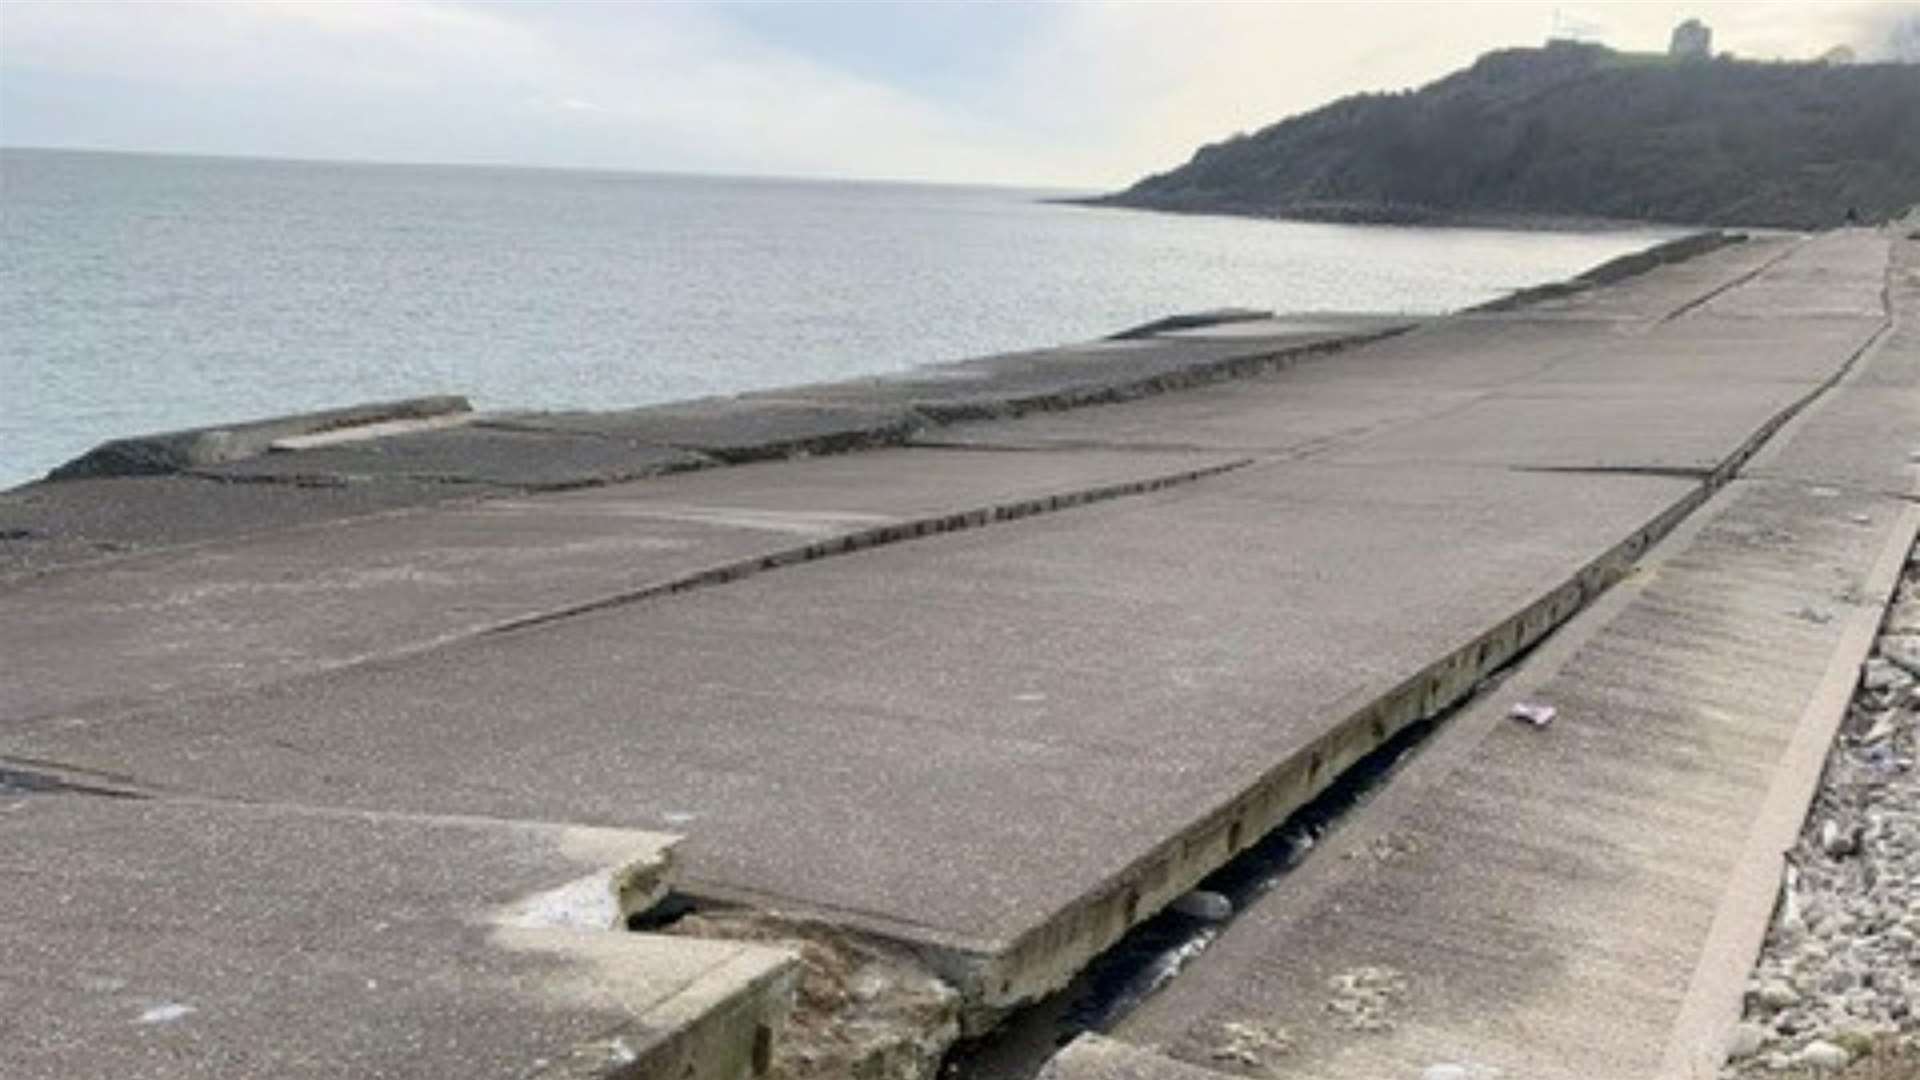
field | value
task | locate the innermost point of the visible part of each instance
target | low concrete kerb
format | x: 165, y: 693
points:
x: 1711, y: 1009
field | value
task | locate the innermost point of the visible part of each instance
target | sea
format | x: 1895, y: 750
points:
x: 144, y: 292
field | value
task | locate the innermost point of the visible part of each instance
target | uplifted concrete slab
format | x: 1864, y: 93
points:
x: 735, y: 429
x: 1584, y: 899
x: 167, y: 939
x: 49, y: 525
x: 1002, y: 745
x: 469, y: 455
x: 251, y: 610
x: 990, y: 743
x: 177, y: 451
x: 1666, y: 291
x: 1074, y: 375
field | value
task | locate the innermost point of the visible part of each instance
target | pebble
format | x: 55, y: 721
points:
x: 1747, y: 1040
x: 1837, y: 840
x: 1778, y: 994
x: 1903, y: 650
x: 1205, y: 906
x: 1880, y: 675
x: 1821, y: 1054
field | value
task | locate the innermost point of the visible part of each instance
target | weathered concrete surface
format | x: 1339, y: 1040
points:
x: 733, y: 429
x: 1543, y: 897
x: 177, y: 451
x: 1089, y: 667
x: 1099, y: 371
x: 181, y: 939
x: 1005, y: 745
x: 1584, y: 900
x: 472, y: 455
x: 49, y: 525
x: 234, y: 613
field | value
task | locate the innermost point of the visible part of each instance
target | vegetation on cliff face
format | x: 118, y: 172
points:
x: 1576, y: 130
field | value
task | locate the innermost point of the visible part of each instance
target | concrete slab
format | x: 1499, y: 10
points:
x: 177, y: 451
x: 1669, y: 290
x: 1644, y: 426
x: 1288, y: 414
x: 1551, y: 902
x: 1832, y: 275
x: 1147, y: 681
x: 1073, y: 375
x: 469, y: 455
x: 365, y: 432
x: 243, y: 612
x: 164, y: 939
x: 1007, y: 745
x: 734, y: 429
x: 48, y: 525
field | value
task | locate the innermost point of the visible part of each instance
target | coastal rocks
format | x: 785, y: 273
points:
x: 1836, y: 990
x: 1903, y: 650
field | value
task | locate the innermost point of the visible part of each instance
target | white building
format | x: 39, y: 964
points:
x: 1691, y: 41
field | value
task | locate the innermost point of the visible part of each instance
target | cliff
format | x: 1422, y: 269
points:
x: 1579, y: 131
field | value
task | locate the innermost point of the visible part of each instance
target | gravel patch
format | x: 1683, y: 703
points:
x: 1836, y: 991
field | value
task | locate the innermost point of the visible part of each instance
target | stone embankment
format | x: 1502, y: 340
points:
x: 1838, y: 983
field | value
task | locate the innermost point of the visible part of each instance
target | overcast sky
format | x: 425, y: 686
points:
x: 1085, y: 95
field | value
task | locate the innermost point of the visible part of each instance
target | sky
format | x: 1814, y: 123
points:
x: 1073, y: 95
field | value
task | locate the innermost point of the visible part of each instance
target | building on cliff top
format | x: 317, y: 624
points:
x: 1691, y: 41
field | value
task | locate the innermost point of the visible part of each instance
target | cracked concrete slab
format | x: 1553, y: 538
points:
x: 734, y: 429
x: 178, y: 939
x: 243, y: 612
x: 1073, y: 375
x: 1006, y: 745
x: 1551, y: 893
x: 469, y: 455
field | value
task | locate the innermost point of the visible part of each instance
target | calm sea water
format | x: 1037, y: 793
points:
x: 142, y: 293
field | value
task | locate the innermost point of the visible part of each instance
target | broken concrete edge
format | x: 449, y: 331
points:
x: 180, y: 451
x: 1096, y: 1057
x: 1614, y: 270
x: 721, y: 1026
x: 1191, y: 320
x: 863, y: 1006
x: 378, y: 429
x: 1711, y: 1008
x: 1047, y: 957
x: 995, y: 978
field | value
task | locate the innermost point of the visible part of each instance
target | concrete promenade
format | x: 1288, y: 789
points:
x: 996, y: 691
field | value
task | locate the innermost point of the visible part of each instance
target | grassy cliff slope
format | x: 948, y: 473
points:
x: 1580, y: 131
